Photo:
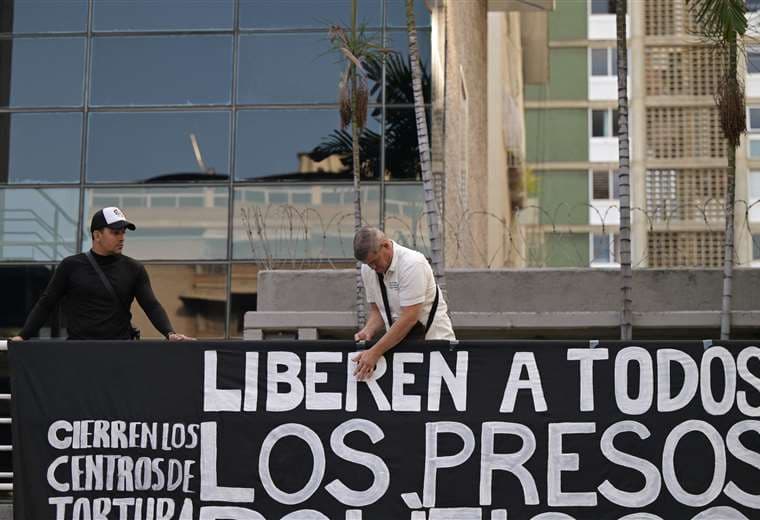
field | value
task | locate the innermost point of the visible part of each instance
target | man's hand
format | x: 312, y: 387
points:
x: 173, y: 336
x: 365, y: 363
x: 16, y: 338
x: 363, y: 335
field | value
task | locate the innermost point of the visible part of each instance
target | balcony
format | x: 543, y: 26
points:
x: 603, y: 149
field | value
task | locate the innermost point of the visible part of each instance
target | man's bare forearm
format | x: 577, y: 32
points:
x: 396, y: 333
x: 374, y: 321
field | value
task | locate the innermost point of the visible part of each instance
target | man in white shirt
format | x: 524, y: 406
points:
x: 412, y: 298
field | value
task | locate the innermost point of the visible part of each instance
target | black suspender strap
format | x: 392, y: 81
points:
x: 107, y: 284
x: 385, y: 299
x: 434, y: 308
x: 387, y: 306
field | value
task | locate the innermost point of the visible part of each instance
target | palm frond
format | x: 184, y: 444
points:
x: 340, y: 143
x: 720, y: 20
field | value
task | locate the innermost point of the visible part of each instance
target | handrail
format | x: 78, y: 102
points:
x: 58, y: 208
x: 56, y: 239
x: 37, y: 219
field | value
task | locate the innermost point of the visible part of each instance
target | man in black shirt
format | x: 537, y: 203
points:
x: 91, y: 310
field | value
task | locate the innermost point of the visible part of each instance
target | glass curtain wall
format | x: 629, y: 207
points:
x: 214, y: 125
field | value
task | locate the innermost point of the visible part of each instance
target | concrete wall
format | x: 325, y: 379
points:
x: 526, y: 290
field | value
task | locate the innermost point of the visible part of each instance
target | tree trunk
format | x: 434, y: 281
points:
x: 361, y: 313
x: 624, y: 172
x: 423, y: 142
x: 728, y: 253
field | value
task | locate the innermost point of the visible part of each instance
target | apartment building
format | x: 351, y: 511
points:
x: 678, y: 154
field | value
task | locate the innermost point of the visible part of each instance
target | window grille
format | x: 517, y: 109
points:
x: 601, y: 184
x: 668, y: 18
x: 685, y: 249
x: 696, y: 194
x: 683, y: 70
x: 684, y: 133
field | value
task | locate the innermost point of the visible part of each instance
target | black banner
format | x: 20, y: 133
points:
x: 484, y: 431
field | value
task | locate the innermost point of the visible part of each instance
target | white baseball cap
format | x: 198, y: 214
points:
x: 111, y: 217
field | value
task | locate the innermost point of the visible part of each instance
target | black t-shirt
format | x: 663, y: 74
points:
x: 89, y: 309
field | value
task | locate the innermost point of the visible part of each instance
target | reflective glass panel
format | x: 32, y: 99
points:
x: 601, y: 248
x: 613, y: 62
x: 41, y: 147
x: 396, y: 13
x: 754, y: 185
x: 300, y: 68
x: 405, y: 220
x: 312, y: 222
x: 148, y: 15
x: 282, y: 14
x: 753, y: 60
x: 755, y: 247
x: 43, y: 16
x: 26, y: 283
x: 599, y: 62
x: 155, y: 146
x: 161, y: 70
x: 193, y: 295
x: 602, y: 6
x: 298, y: 145
x: 172, y: 223
x: 754, y: 148
x: 754, y: 118
x: 616, y: 184
x: 38, y: 224
x: 615, y: 123
x: 402, y: 156
x: 43, y: 71
x: 598, y: 123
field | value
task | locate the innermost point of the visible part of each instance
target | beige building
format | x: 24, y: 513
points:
x: 482, y: 51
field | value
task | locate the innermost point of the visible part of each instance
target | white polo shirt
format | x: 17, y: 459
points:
x: 409, y: 280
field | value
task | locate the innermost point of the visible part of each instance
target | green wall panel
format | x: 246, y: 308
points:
x: 569, y: 20
x: 563, y: 197
x: 568, y: 77
x: 566, y: 250
x: 557, y: 134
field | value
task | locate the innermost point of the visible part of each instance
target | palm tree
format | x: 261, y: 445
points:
x: 355, y: 47
x: 724, y: 23
x: 624, y: 172
x: 431, y: 207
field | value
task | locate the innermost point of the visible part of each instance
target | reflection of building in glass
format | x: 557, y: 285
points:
x: 216, y: 130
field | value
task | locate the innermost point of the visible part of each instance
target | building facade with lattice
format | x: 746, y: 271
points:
x: 678, y: 154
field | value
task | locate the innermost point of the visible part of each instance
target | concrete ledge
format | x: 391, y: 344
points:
x: 525, y: 303
x: 526, y: 290
x: 309, y: 324
x: 271, y: 320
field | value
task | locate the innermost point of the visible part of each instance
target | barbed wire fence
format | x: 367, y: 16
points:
x: 673, y: 235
